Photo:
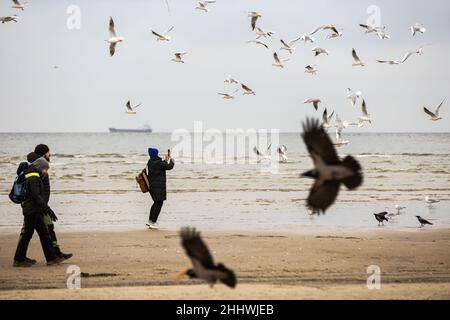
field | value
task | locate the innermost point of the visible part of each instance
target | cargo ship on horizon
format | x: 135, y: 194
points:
x: 146, y: 129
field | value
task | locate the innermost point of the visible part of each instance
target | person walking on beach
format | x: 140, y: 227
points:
x: 49, y: 217
x: 157, y: 168
x: 33, y: 209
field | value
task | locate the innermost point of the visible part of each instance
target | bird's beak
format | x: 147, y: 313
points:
x: 180, y: 276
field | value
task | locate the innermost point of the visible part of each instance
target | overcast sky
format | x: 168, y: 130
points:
x: 88, y: 90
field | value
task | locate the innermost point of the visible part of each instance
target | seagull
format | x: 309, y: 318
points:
x: 358, y: 62
x: 330, y: 27
x: 163, y: 37
x: 247, y: 90
x: 231, y: 80
x: 278, y: 62
x: 329, y: 171
x: 353, y: 96
x: 383, y: 35
x: 314, y: 101
x: 405, y: 57
x: 357, y: 123
x: 310, y: 69
x: 434, y: 116
x: 392, y: 62
x: 203, y: 5
x: 9, y: 18
x: 431, y: 201
x: 307, y: 38
x: 365, y: 115
x: 371, y: 29
x: 340, y: 142
x: 326, y: 119
x: 18, y: 5
x: 130, y: 109
x: 335, y: 33
x: 399, y: 209
x: 319, y: 51
x: 423, y: 222
x: 228, y: 96
x: 113, y: 38
x: 202, y: 261
x: 381, y: 217
x: 178, y: 57
x: 262, y: 156
x: 288, y: 46
x: 339, y: 124
x: 418, y: 28
x: 254, y: 15
x: 259, y: 42
x: 282, y: 151
x: 263, y: 33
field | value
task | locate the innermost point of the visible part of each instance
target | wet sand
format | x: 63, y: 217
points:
x: 272, y: 265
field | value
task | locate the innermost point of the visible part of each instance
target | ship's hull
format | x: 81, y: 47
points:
x: 131, y: 130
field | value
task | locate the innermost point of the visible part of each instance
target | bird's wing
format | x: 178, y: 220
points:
x: 316, y: 30
x: 294, y: 41
x: 383, y: 61
x: 223, y: 94
x: 157, y: 34
x: 325, y: 116
x: 431, y: 114
x: 170, y: 29
x: 128, y: 105
x: 255, y: 150
x: 136, y: 106
x: 439, y: 107
x: 275, y: 56
x: 316, y: 104
x: 318, y: 142
x: 355, y: 56
x: 406, y: 57
x: 245, y: 87
x: 330, y: 116
x: 284, y: 43
x: 112, y: 30
x: 269, y: 147
x: 364, y: 26
x: 253, y: 22
x: 322, y: 196
x: 112, y: 49
x: 364, y: 108
x: 16, y: 2
x: 195, y: 248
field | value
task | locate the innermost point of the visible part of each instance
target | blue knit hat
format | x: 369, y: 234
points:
x: 153, y: 152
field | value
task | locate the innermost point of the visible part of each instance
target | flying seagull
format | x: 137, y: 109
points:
x: 203, y: 5
x: 405, y: 57
x: 353, y: 96
x: 254, y: 17
x: 9, y: 18
x: 315, y: 102
x: 202, y: 261
x: 18, y: 5
x: 418, y: 28
x: 335, y: 33
x: 258, y: 42
x: 231, y: 80
x: 282, y: 153
x: 113, y: 38
x: 340, y: 142
x: 247, y: 90
x: 339, y: 124
x: 365, y: 115
x: 434, y: 116
x: 317, y: 51
x: 130, y: 109
x: 330, y: 27
x: 372, y: 29
x: 288, y: 46
x: 178, y: 57
x: 383, y: 35
x: 228, y: 96
x: 329, y: 171
x: 262, y: 156
x: 263, y: 33
x: 423, y: 222
x: 326, y: 119
x: 310, y: 69
x: 431, y: 201
x: 278, y: 62
x: 163, y: 37
x: 381, y: 217
x: 357, y: 61
x: 307, y: 38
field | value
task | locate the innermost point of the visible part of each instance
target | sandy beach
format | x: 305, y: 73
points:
x: 270, y: 265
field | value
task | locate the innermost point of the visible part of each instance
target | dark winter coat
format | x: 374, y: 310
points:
x: 45, y: 178
x: 35, y: 202
x: 157, y: 177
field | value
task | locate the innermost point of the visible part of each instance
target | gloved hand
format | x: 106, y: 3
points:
x: 51, y: 214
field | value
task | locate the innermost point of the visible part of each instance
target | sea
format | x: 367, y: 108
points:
x: 219, y: 184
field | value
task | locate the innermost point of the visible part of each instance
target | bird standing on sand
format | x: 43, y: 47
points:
x: 254, y: 17
x: 202, y: 261
x: 130, y: 109
x: 430, y: 201
x: 163, y: 37
x: 381, y: 217
x: 329, y: 172
x: 9, y: 18
x: 423, y: 222
x: 178, y: 57
x: 315, y: 102
x: 434, y: 116
x: 113, y: 38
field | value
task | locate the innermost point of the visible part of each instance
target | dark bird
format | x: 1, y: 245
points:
x: 423, y: 222
x: 329, y: 171
x: 381, y: 217
x: 202, y: 261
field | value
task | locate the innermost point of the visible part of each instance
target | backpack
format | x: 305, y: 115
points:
x: 142, y: 181
x: 18, y: 192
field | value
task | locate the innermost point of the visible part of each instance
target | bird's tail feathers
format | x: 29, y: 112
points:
x: 356, y: 180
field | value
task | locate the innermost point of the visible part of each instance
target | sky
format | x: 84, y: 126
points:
x: 89, y: 89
